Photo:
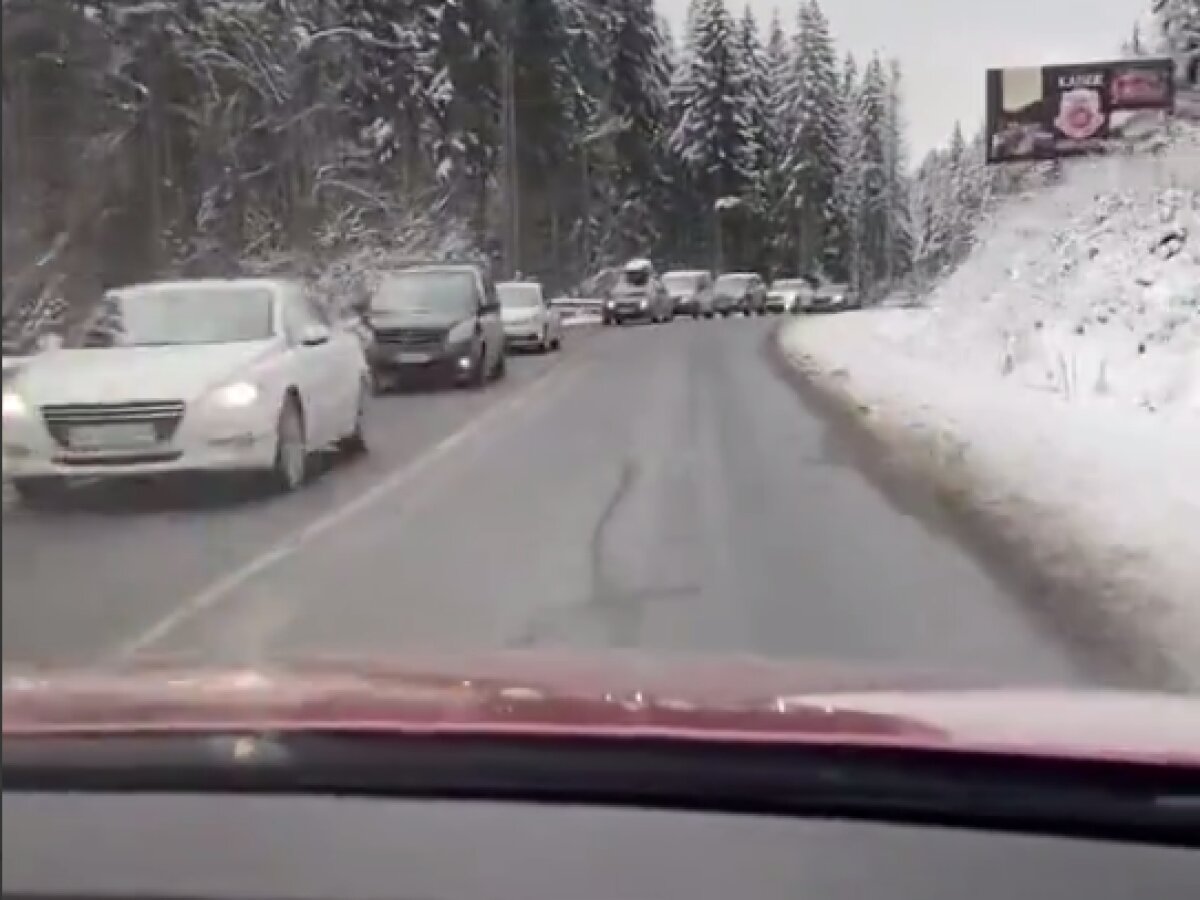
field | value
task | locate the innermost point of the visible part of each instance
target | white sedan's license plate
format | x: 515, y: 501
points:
x: 115, y: 436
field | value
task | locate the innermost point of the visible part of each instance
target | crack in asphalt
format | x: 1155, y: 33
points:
x: 622, y: 611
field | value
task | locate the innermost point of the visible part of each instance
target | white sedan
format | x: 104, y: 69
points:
x: 529, y: 320
x: 189, y: 376
x: 789, y: 295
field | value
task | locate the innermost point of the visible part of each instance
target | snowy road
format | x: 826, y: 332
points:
x: 658, y: 488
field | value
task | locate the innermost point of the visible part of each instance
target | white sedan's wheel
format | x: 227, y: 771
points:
x: 356, y: 441
x: 291, y: 451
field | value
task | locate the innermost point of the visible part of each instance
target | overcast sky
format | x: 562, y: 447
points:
x: 945, y: 45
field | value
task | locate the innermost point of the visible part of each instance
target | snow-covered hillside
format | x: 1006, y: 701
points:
x: 1090, y: 290
x: 1051, y: 385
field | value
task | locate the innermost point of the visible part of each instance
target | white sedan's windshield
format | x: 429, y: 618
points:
x: 183, y: 314
x: 789, y: 285
x: 519, y: 296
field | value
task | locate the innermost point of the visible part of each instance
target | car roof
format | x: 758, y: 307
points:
x: 739, y: 275
x: 687, y: 272
x: 534, y: 284
x: 433, y: 267
x: 270, y: 283
x: 638, y: 265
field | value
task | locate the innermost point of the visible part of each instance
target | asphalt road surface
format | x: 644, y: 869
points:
x: 658, y: 488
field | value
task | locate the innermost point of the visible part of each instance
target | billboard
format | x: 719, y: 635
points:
x: 1046, y: 112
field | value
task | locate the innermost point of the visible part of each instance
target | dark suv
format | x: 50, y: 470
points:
x: 743, y: 292
x: 435, y: 320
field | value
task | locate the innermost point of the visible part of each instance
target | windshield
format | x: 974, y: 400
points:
x: 450, y: 293
x: 966, y: 446
x: 519, y: 296
x: 636, y: 278
x: 733, y: 285
x: 682, y: 283
x: 182, y: 314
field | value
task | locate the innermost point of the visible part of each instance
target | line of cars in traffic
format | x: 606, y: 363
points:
x: 641, y: 294
x: 252, y: 375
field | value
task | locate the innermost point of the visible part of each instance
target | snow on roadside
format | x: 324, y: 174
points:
x: 1052, y: 384
x: 1095, y: 498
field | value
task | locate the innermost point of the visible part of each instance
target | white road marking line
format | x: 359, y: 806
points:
x: 224, y: 587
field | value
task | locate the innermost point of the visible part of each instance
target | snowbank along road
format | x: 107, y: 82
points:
x: 1051, y: 383
x: 656, y: 488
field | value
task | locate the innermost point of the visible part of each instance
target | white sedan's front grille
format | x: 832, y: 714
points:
x: 160, y: 418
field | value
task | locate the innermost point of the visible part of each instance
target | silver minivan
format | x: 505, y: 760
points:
x: 638, y: 295
x: 691, y: 292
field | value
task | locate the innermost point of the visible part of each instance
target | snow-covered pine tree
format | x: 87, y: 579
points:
x: 876, y: 201
x: 812, y: 141
x: 759, y: 156
x: 970, y: 190
x: 469, y: 40
x: 392, y: 97
x: 1134, y: 45
x: 710, y: 136
x: 545, y: 89
x: 895, y: 176
x: 640, y: 80
x: 586, y: 199
x: 849, y: 195
x: 683, y: 241
x: 1178, y: 25
x: 950, y: 195
x: 779, y: 236
x: 926, y: 222
x: 757, y: 85
x: 683, y: 71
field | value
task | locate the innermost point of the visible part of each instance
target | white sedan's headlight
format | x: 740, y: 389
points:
x: 14, y: 405
x: 643, y: 303
x: 237, y: 395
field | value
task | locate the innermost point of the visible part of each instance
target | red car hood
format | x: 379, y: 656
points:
x: 740, y: 700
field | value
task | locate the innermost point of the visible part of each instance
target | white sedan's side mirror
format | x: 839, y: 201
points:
x: 314, y: 335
